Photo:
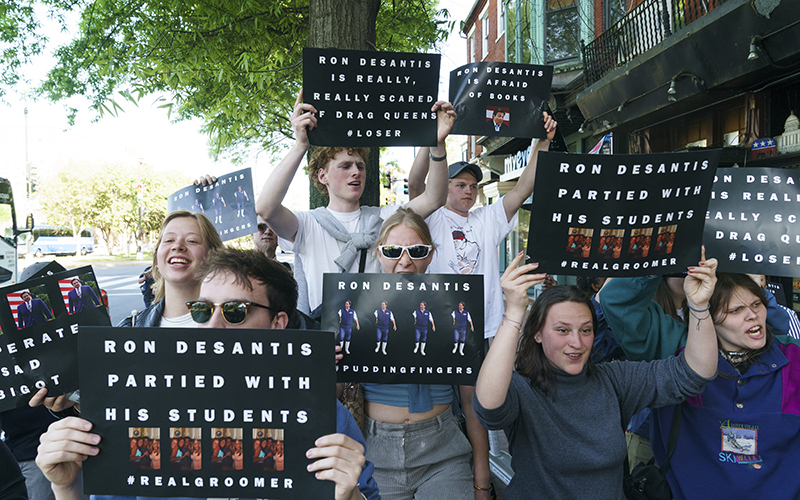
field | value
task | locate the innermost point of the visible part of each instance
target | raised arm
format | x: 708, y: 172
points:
x: 419, y: 170
x: 269, y: 203
x: 495, y: 375
x: 435, y: 193
x: 701, y: 341
x: 514, y: 199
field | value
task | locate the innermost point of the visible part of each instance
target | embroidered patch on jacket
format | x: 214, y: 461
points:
x: 742, y: 442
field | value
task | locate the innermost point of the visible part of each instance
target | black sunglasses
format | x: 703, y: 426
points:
x: 261, y: 227
x: 414, y: 251
x: 234, y: 311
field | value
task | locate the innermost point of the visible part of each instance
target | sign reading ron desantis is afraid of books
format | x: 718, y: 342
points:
x: 619, y: 215
x: 206, y: 412
x: 752, y: 223
x: 500, y: 99
x: 366, y: 98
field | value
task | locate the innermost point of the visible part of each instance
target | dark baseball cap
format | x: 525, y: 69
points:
x: 459, y: 166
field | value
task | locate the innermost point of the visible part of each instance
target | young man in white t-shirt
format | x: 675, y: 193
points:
x: 466, y: 243
x: 339, y: 173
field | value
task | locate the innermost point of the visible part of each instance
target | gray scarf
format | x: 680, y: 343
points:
x: 369, y: 225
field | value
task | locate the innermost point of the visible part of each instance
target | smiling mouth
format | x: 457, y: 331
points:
x: 178, y: 260
x: 574, y: 356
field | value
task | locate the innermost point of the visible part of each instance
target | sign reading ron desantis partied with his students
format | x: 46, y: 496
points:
x: 619, y: 215
x: 406, y: 328
x: 753, y: 221
x: 500, y: 99
x: 202, y: 413
x: 367, y: 98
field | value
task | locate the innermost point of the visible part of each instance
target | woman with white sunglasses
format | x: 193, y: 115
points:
x: 412, y: 437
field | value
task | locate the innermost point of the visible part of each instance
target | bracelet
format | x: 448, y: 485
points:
x: 515, y: 324
x: 698, y: 318
x: 438, y: 158
x: 478, y: 488
x: 697, y: 310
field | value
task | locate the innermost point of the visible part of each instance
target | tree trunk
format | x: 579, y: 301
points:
x: 346, y: 24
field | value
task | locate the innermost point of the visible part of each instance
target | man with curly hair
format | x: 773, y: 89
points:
x: 337, y: 238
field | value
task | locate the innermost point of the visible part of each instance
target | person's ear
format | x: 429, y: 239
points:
x: 322, y: 175
x: 279, y: 321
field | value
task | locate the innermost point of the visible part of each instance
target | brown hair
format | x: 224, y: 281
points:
x: 249, y: 265
x: 410, y: 219
x: 321, y: 158
x: 531, y: 360
x: 663, y: 298
x: 727, y: 284
x: 208, y: 233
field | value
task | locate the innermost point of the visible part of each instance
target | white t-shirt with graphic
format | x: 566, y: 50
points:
x: 468, y: 245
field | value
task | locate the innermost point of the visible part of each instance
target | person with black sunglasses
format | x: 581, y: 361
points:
x: 241, y: 289
x: 265, y: 239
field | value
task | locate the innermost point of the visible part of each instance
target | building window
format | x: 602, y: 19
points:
x: 615, y: 10
x: 485, y: 35
x: 518, y: 38
x: 562, y: 30
x: 501, y: 19
x: 471, y: 47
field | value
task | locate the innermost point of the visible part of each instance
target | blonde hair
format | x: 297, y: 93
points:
x: 208, y: 233
x: 410, y: 219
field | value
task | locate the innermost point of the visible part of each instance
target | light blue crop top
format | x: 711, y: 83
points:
x: 418, y: 398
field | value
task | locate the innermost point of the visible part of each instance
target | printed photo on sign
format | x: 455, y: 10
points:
x: 268, y: 449
x: 368, y: 98
x: 223, y: 399
x: 751, y: 222
x: 393, y: 328
x: 82, y: 293
x: 145, y: 449
x: 619, y: 215
x: 31, y: 306
x: 486, y: 95
x: 229, y: 203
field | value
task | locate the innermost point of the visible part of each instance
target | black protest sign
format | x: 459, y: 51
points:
x: 752, y: 223
x: 229, y: 203
x: 40, y: 318
x: 366, y: 98
x: 206, y: 412
x: 619, y: 215
x: 500, y: 99
x: 406, y: 328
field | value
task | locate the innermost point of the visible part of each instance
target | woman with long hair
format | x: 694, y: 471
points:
x: 563, y: 414
x: 742, y: 435
x: 433, y: 461
x: 184, y: 241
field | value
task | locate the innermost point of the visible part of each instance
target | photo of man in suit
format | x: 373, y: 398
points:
x: 81, y: 297
x: 496, y: 125
x: 32, y: 311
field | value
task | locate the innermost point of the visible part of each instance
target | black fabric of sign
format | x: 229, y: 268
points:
x: 619, y: 215
x: 500, y: 99
x: 228, y: 203
x: 212, y: 386
x: 442, y: 361
x: 752, y: 223
x: 38, y: 345
x: 366, y: 98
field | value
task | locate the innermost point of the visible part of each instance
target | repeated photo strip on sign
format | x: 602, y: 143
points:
x: 619, y: 215
x: 229, y: 203
x: 367, y: 98
x: 406, y: 328
x: 206, y: 413
x: 40, y: 319
x: 500, y: 99
x: 753, y: 221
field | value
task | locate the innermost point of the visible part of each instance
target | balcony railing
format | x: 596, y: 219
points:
x: 644, y: 27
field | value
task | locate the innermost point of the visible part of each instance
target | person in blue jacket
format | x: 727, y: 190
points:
x: 231, y: 275
x: 741, y: 437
